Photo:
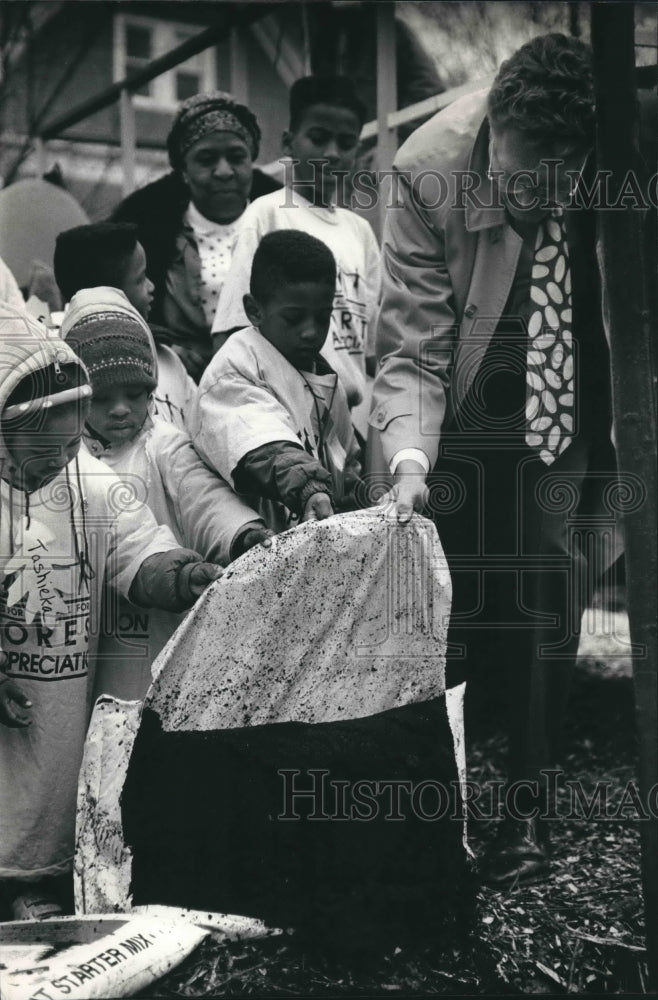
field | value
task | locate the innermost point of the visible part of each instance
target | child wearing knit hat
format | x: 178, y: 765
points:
x: 157, y: 463
x: 64, y: 534
x: 115, y: 345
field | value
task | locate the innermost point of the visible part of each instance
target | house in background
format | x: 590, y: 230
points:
x: 59, y: 55
x: 56, y: 55
x: 68, y: 52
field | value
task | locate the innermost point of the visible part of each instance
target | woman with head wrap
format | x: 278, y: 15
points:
x: 188, y: 220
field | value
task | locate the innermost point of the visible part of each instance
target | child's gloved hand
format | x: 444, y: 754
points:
x: 317, y: 507
x: 172, y: 580
x: 194, y: 578
x: 14, y: 704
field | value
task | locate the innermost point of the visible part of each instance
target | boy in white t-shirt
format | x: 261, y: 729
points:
x: 325, y: 122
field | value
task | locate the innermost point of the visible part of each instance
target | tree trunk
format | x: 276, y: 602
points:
x: 630, y: 324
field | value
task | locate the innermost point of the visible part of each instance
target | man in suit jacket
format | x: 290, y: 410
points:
x: 492, y: 397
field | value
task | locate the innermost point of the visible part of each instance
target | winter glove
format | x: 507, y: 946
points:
x: 166, y: 580
x: 193, y: 578
x: 284, y: 472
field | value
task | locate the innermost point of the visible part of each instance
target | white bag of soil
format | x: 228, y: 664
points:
x: 295, y: 760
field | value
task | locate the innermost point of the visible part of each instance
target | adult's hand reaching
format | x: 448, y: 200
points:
x: 408, y: 494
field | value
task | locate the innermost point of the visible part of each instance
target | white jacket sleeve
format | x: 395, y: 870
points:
x: 209, y: 514
x: 233, y: 416
x: 134, y: 534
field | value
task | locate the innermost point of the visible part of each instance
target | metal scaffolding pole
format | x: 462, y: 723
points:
x: 128, y: 141
x: 239, y: 74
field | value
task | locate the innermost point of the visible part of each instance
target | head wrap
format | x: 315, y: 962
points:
x: 213, y: 112
x: 111, y: 338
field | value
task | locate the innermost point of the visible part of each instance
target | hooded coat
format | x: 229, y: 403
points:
x: 204, y: 514
x: 59, y: 546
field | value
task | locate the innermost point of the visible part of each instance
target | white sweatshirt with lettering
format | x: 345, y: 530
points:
x: 354, y: 246
x: 58, y: 546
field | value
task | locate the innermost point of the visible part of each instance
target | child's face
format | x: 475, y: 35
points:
x: 40, y: 455
x: 137, y: 287
x: 117, y: 414
x: 326, y: 132
x: 295, y: 320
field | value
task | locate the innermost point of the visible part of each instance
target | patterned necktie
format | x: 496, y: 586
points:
x: 550, y: 359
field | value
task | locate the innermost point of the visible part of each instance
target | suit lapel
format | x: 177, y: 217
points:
x: 496, y: 259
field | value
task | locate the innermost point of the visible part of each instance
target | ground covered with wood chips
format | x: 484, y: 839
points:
x: 579, y: 932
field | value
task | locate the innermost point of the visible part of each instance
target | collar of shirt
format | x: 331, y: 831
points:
x: 206, y: 227
x: 327, y: 214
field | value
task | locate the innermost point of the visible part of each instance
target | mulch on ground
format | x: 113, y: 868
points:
x: 579, y: 932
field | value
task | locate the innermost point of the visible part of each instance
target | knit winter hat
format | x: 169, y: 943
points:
x: 213, y: 112
x: 111, y: 338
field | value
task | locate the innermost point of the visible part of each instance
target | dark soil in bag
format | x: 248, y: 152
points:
x: 373, y: 855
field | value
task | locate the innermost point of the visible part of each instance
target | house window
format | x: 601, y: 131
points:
x: 138, y: 53
x: 138, y: 40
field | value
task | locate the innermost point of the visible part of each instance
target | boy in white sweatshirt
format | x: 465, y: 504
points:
x: 322, y: 141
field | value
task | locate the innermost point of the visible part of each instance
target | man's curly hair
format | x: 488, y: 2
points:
x: 546, y: 91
